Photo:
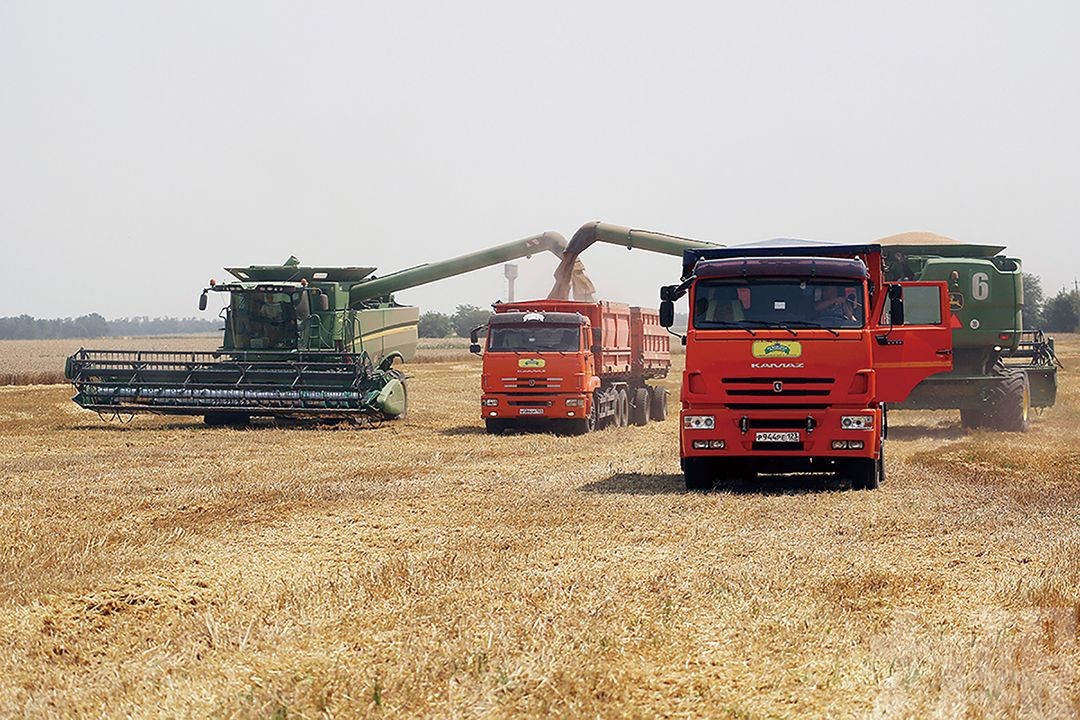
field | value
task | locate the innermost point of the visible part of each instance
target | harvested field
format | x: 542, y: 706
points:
x: 424, y: 568
x: 41, y: 362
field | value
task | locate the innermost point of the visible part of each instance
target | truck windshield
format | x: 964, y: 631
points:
x: 764, y: 303
x: 533, y: 338
x: 263, y: 320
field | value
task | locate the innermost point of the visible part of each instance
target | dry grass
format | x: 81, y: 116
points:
x: 425, y: 569
x: 41, y: 362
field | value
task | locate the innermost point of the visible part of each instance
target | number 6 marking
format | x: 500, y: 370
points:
x: 980, y: 286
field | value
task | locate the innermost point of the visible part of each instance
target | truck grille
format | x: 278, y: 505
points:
x: 792, y: 387
x: 532, y: 382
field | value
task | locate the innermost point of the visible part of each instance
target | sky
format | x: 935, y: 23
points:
x: 145, y: 145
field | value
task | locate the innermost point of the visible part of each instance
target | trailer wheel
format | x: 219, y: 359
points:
x: 658, y: 403
x: 227, y: 419
x: 1011, y: 403
x: 495, y: 426
x: 639, y: 411
x: 698, y: 474
x: 865, y: 473
x: 622, y: 408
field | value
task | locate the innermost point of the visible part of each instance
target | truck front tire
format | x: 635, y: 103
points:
x: 865, y: 473
x: 699, y: 474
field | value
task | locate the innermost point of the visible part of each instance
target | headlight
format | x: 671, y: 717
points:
x: 575, y: 402
x: 490, y: 402
x: 857, y: 422
x: 699, y: 422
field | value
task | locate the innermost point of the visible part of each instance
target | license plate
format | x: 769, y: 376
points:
x: 533, y: 411
x: 777, y: 437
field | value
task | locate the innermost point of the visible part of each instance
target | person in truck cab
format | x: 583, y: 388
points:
x: 835, y: 308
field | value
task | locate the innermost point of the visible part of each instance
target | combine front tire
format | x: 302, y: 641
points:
x: 639, y: 410
x: 1012, y: 403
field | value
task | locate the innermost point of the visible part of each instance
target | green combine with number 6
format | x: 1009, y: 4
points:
x: 1000, y: 370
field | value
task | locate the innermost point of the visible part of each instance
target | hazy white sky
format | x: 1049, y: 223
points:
x: 144, y: 145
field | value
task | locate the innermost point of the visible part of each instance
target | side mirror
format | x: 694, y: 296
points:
x: 474, y: 348
x: 324, y: 302
x: 896, y: 305
x: 667, y: 293
x: 667, y: 313
x: 474, y: 340
x: 202, y: 300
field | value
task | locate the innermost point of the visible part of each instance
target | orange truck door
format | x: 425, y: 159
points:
x: 905, y: 355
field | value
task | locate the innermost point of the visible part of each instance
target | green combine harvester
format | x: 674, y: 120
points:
x: 300, y: 342
x: 1000, y: 370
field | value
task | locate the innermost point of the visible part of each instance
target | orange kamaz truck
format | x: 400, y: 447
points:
x: 793, y: 349
x: 569, y: 366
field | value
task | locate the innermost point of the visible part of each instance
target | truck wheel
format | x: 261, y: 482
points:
x: 698, y: 473
x: 585, y: 425
x: 227, y: 419
x: 658, y: 403
x: 494, y: 426
x: 864, y: 473
x: 639, y: 411
x: 1011, y: 403
x: 622, y: 408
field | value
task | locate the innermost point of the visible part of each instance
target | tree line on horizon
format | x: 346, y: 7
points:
x: 25, y: 327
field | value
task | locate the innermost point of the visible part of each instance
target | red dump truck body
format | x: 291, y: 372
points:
x: 576, y: 365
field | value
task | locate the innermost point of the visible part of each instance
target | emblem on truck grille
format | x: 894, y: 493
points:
x: 778, y: 386
x: 532, y: 362
x: 776, y: 348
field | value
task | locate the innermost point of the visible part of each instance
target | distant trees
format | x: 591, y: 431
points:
x: 1034, y: 299
x: 1062, y: 312
x: 25, y: 327
x: 435, y: 325
x: 466, y: 317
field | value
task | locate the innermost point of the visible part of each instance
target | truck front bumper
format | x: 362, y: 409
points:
x: 539, y: 406
x: 829, y: 433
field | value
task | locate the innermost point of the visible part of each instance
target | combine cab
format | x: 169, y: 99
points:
x: 300, y: 342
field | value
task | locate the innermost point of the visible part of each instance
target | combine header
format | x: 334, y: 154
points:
x: 300, y: 342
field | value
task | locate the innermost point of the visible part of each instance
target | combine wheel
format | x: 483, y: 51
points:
x: 1012, y: 403
x: 658, y: 403
x: 698, y: 473
x: 622, y: 408
x: 639, y: 410
x: 227, y: 419
x: 972, y: 418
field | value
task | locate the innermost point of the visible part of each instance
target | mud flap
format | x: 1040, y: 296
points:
x: 391, y: 400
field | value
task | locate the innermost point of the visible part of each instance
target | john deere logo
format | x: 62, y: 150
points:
x: 532, y: 362
x: 777, y: 349
x: 956, y: 301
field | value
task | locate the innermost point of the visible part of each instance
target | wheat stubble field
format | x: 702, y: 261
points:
x: 424, y: 569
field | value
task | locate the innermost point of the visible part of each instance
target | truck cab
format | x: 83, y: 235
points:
x: 572, y: 366
x: 792, y: 350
